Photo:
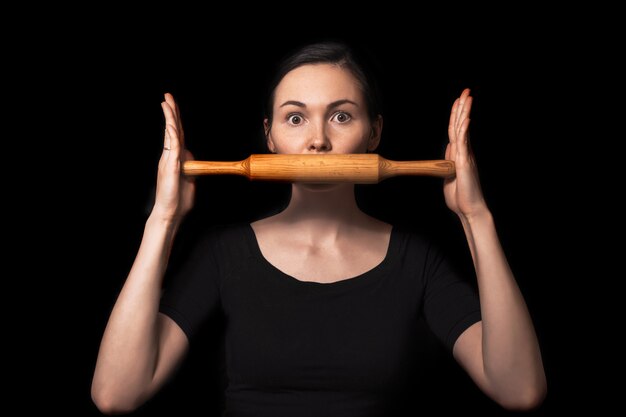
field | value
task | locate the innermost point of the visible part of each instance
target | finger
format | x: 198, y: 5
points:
x: 169, y: 99
x: 167, y: 141
x: 176, y: 108
x: 175, y: 145
x: 462, y: 100
x: 170, y: 151
x: 451, y: 151
x: 452, y: 123
x: 171, y: 103
x: 463, y: 143
x: 465, y: 112
x: 166, y: 152
x: 447, y: 154
x: 170, y: 118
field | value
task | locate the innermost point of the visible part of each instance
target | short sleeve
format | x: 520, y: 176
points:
x: 192, y: 293
x: 451, y: 305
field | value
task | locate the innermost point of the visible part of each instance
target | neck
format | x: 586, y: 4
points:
x: 323, y: 210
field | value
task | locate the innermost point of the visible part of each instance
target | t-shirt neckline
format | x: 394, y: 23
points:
x: 361, y: 278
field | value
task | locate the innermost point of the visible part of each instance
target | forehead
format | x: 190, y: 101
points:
x: 318, y: 83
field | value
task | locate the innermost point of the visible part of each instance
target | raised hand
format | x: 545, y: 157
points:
x: 174, y: 192
x: 462, y: 193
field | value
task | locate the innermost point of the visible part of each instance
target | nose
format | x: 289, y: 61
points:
x: 319, y: 141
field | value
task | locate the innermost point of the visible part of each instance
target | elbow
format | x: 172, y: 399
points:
x: 528, y: 400
x: 111, y: 404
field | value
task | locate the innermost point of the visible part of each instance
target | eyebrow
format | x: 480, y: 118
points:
x: 330, y: 106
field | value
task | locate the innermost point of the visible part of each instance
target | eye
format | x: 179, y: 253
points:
x: 341, y: 117
x: 294, y: 119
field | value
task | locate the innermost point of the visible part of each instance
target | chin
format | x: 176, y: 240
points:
x: 320, y: 187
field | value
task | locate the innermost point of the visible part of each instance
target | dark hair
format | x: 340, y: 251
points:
x: 335, y: 53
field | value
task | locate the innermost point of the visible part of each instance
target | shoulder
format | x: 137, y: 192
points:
x: 410, y: 240
x: 226, y: 241
x: 224, y: 235
x: 410, y: 250
x: 421, y: 251
x: 217, y: 250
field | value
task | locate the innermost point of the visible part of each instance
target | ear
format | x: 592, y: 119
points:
x: 268, y: 135
x: 377, y: 130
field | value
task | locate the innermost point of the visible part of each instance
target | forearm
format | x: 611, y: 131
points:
x: 129, y: 349
x: 511, y: 358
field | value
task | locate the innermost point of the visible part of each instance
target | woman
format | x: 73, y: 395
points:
x: 320, y: 299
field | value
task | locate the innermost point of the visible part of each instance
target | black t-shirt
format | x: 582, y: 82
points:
x: 302, y: 348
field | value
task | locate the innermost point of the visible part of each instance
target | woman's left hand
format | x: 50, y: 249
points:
x: 463, y: 193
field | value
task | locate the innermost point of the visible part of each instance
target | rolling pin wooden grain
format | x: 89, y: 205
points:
x: 327, y: 168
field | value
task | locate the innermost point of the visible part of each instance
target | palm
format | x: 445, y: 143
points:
x: 462, y: 193
x: 175, y: 192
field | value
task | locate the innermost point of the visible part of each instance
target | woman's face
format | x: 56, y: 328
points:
x: 321, y: 109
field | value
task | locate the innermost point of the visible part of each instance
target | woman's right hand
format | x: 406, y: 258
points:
x: 174, y: 191
x: 141, y: 348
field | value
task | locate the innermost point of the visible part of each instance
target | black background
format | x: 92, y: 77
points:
x: 113, y: 89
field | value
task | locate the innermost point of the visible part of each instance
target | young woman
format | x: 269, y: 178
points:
x: 321, y: 299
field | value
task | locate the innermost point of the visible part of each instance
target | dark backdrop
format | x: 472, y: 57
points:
x: 115, y: 94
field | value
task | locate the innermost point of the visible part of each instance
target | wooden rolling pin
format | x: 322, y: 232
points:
x: 355, y: 168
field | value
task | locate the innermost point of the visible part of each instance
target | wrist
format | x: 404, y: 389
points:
x: 163, y: 223
x: 482, y: 216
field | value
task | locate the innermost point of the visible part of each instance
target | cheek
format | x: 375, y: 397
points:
x: 353, y: 137
x: 286, y: 139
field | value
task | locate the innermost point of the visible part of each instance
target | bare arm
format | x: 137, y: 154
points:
x: 501, y: 353
x: 140, y: 347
